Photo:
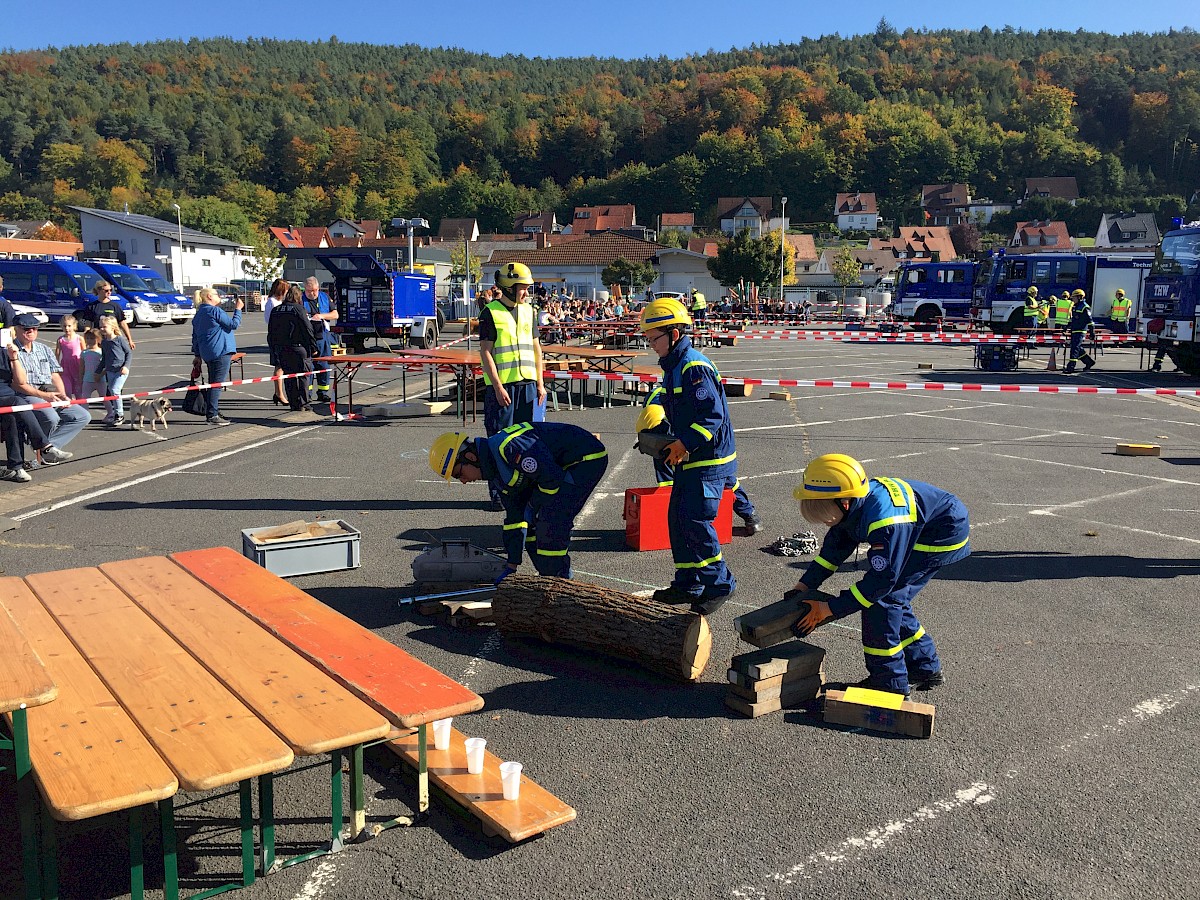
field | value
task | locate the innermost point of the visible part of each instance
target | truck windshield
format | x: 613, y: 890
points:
x: 1178, y: 255
x: 984, y: 275
x: 157, y: 283
x: 127, y: 281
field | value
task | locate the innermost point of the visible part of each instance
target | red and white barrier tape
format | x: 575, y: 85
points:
x: 860, y: 337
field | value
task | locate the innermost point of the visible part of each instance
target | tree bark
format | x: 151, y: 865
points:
x: 661, y: 638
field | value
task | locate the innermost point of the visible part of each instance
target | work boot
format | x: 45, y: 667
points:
x: 1157, y: 367
x: 753, y: 525
x: 1089, y: 364
x: 706, y: 606
x: 673, y: 596
x: 926, y: 682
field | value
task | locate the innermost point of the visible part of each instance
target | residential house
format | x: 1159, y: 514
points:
x: 18, y: 241
x: 201, y: 260
x: 856, y: 211
x: 915, y: 242
x: 598, y: 219
x: 577, y: 264
x: 1128, y: 230
x: 458, y: 230
x: 707, y: 246
x: 544, y: 222
x: 24, y: 230
x: 366, y: 230
x: 804, y: 253
x: 738, y: 214
x: 982, y: 210
x: 1034, y: 236
x: 685, y: 222
x: 946, y: 204
x: 873, y: 265
x: 292, y: 238
x: 1062, y: 187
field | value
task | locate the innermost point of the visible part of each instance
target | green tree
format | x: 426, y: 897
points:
x: 266, y: 262
x: 746, y: 259
x: 623, y: 271
x: 673, y: 237
x: 457, y: 252
x: 217, y: 217
x: 846, y: 269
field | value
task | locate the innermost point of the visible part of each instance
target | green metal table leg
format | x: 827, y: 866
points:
x: 166, y: 814
x: 358, y: 806
x: 137, y: 869
x: 49, y: 857
x: 335, y: 785
x: 246, y: 802
x: 266, y: 815
x: 422, y: 769
x: 27, y: 804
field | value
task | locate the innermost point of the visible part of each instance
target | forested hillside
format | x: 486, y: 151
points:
x: 289, y: 132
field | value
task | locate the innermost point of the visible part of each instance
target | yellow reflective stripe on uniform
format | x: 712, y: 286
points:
x: 737, y: 483
x: 515, y: 476
x: 934, y: 548
x: 541, y: 552
x: 911, y: 516
x: 704, y: 431
x: 711, y: 462
x: 821, y: 561
x: 513, y: 526
x: 654, y: 392
x: 697, y: 362
x: 858, y: 595
x: 892, y: 651
x: 583, y: 459
x: 513, y: 431
x: 665, y: 483
x: 699, y: 565
x: 545, y: 491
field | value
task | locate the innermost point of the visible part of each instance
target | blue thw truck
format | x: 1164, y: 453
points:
x: 375, y: 303
x: 928, y: 291
x: 1170, y: 300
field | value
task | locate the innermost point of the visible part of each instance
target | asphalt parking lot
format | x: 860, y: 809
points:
x: 1064, y: 758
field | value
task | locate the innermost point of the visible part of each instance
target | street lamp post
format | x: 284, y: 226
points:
x: 179, y: 223
x: 410, y: 225
x: 782, y: 243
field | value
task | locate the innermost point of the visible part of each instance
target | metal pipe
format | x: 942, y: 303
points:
x: 448, y: 595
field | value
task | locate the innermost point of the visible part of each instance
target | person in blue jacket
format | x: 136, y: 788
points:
x: 213, y: 342
x: 546, y: 472
x: 653, y: 419
x: 1079, y: 325
x: 322, y: 312
x: 912, y: 530
x: 702, y: 456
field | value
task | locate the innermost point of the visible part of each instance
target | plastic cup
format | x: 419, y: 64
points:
x: 441, y: 734
x: 475, y: 755
x: 510, y: 776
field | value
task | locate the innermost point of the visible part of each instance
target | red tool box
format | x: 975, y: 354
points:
x: 646, y: 518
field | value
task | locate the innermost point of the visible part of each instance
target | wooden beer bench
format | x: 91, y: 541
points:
x: 406, y: 691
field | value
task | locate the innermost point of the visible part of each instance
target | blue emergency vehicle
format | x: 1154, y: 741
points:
x: 928, y: 291
x: 144, y: 305
x: 56, y: 285
x: 1170, y: 307
x: 373, y: 302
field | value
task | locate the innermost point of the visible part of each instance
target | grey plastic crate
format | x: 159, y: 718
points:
x: 305, y: 555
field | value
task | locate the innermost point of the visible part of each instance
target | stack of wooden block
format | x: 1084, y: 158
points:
x: 775, y: 678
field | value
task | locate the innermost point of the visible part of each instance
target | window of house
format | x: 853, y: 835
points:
x: 206, y: 262
x: 222, y: 251
x: 157, y: 246
x: 108, y: 245
x: 583, y: 214
x: 299, y: 263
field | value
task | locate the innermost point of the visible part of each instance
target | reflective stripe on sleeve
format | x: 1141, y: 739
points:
x: 515, y: 525
x: 710, y: 462
x: 821, y: 561
x: 899, y: 648
x: 858, y: 595
x: 545, y: 491
x: 934, y: 548
x: 704, y: 431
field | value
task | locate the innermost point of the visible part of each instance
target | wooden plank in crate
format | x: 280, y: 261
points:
x: 797, y: 658
x: 879, y: 711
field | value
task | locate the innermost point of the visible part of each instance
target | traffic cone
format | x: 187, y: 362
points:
x: 1052, y: 366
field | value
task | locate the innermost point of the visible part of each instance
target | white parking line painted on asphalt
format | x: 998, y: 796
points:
x: 320, y: 477
x: 175, y: 470
x: 1051, y: 462
x: 844, y: 421
x: 321, y: 878
x: 1053, y: 510
x: 1131, y: 530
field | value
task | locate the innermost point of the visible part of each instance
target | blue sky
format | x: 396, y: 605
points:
x: 624, y: 28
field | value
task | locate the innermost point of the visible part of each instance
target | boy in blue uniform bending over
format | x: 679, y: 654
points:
x: 912, y: 529
x: 702, y: 457
x: 546, y: 472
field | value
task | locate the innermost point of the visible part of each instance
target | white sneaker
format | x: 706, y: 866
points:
x: 18, y: 474
x: 52, y: 456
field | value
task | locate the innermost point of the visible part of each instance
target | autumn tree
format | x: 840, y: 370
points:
x: 846, y: 269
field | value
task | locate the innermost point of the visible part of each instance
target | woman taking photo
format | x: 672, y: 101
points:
x: 213, y: 342
x: 290, y: 337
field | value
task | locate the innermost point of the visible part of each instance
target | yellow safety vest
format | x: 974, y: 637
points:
x: 1033, y: 309
x: 513, y: 350
x: 1120, y: 309
x: 1062, y: 311
x: 698, y: 301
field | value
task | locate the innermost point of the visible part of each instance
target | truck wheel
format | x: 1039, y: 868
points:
x: 925, y: 318
x: 441, y: 322
x: 1187, y: 359
x: 428, y: 340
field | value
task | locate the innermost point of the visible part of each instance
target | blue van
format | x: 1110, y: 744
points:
x: 57, y: 285
x: 143, y: 304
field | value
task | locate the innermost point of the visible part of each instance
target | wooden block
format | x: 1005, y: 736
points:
x: 778, y: 616
x: 797, y: 659
x: 407, y: 410
x: 1138, y: 450
x: 727, y: 340
x: 789, y: 690
x: 742, y: 680
x: 780, y: 395
x: 799, y: 692
x: 738, y: 390
x: 768, y: 640
x: 895, y: 716
x: 924, y: 365
x: 280, y: 532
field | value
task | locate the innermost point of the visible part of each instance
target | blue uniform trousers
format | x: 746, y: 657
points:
x: 1078, y: 353
x: 549, y: 539
x: 895, y: 645
x: 321, y: 369
x: 496, y: 418
x: 700, y: 569
x: 664, y: 474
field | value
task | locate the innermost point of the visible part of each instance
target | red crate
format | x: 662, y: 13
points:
x: 646, y: 518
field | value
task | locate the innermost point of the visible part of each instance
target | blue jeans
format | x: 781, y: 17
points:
x: 218, y: 370
x: 113, y: 382
x: 62, y: 425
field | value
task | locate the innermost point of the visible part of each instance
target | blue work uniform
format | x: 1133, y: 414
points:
x: 695, y: 405
x: 324, y: 340
x: 1079, y: 326
x: 546, y: 472
x: 664, y: 473
x: 913, y: 529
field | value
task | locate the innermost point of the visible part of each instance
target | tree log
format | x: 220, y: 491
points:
x: 661, y: 638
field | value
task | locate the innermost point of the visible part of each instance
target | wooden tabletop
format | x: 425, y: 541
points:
x: 24, y: 681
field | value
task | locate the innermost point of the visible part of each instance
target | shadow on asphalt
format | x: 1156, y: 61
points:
x: 996, y: 565
x: 276, y: 503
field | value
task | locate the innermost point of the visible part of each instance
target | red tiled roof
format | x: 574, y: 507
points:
x: 590, y: 250
x: 1042, y: 235
x: 292, y: 238
x: 707, y: 246
x: 604, y: 218
x: 676, y: 220
x: 856, y: 202
x: 917, y: 240
x: 803, y: 246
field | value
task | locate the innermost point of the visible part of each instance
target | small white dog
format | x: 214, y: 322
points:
x: 155, y: 409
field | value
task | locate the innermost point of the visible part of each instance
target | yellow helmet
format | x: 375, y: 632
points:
x: 1066, y: 295
x: 1078, y: 294
x: 652, y: 415
x: 831, y: 476
x: 1032, y: 290
x: 444, y: 453
x: 663, y: 313
x: 1120, y: 292
x: 511, y: 274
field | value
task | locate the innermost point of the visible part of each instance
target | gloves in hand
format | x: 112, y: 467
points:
x: 196, y: 370
x: 674, y: 453
x: 816, y: 614
x: 507, y: 571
